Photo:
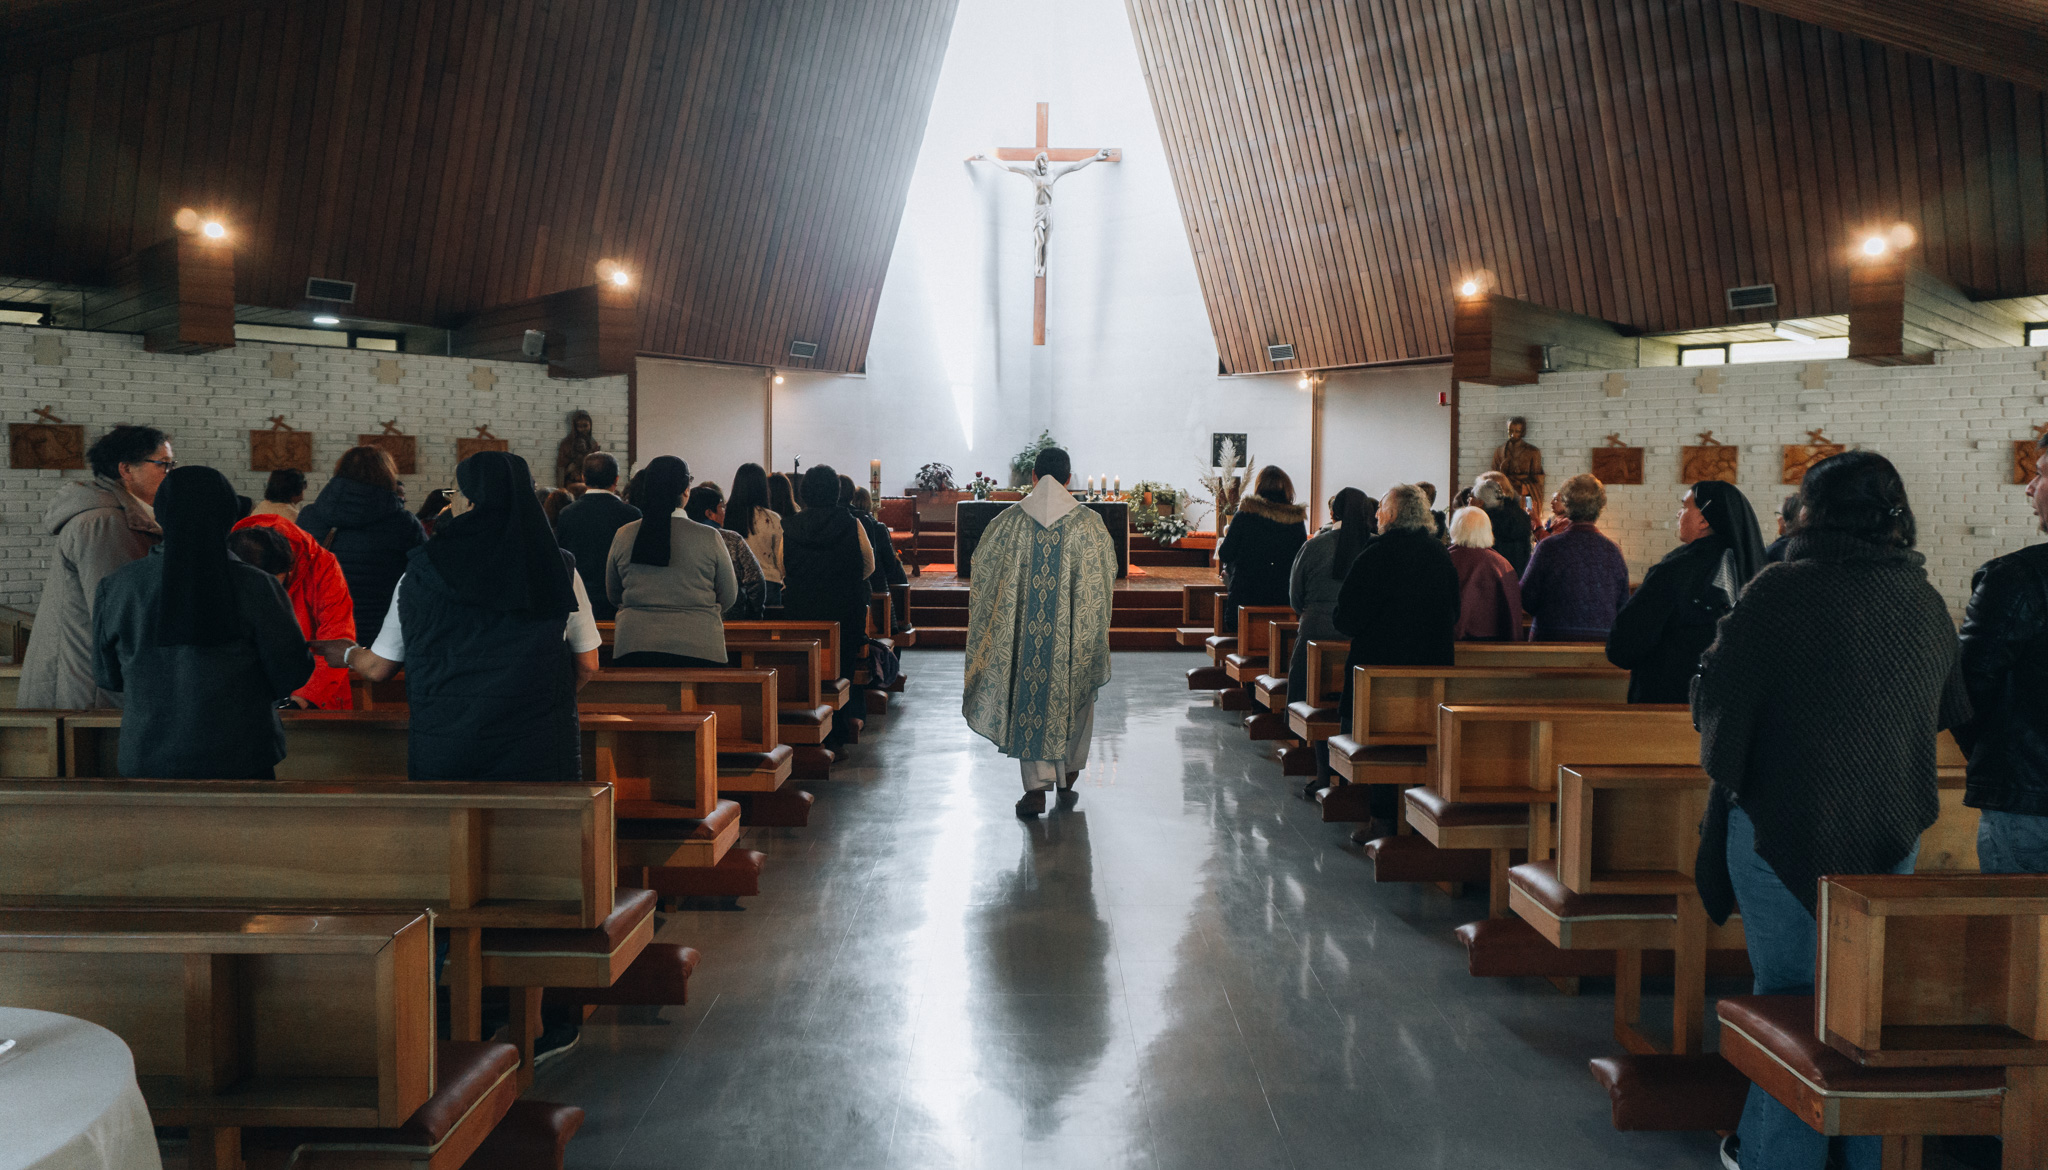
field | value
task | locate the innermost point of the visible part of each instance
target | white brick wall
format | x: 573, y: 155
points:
x: 1947, y: 426
x: 209, y: 402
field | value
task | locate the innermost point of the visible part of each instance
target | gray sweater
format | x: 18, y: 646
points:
x: 677, y: 608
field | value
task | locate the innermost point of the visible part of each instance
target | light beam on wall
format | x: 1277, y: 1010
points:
x: 963, y: 408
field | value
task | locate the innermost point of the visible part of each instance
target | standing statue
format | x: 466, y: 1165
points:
x: 569, y: 454
x: 1521, y: 462
x: 1042, y: 176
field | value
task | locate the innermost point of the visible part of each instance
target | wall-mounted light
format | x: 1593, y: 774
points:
x: 778, y: 379
x: 613, y: 273
x: 1876, y: 246
x: 326, y: 320
x: 1302, y: 383
x: 620, y: 278
x: 1469, y: 289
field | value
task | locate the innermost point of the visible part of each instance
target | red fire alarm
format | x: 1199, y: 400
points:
x: 1443, y: 398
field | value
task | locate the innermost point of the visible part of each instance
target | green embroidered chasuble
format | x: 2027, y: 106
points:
x: 1037, y: 629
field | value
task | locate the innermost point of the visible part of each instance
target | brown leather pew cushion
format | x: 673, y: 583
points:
x: 1502, y: 947
x: 1308, y: 712
x: 785, y: 808
x: 737, y: 875
x: 725, y: 812
x: 1208, y: 678
x: 1430, y: 803
x: 747, y: 763
x: 1663, y: 1092
x: 660, y: 977
x: 1345, y: 803
x: 629, y: 909
x: 465, y: 1073
x: 1409, y: 858
x: 1538, y: 881
x: 534, y: 1135
x: 1783, y: 1027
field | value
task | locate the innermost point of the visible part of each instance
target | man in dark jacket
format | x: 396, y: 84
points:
x: 1399, y: 603
x: 586, y: 528
x: 1512, y: 535
x: 360, y: 517
x: 2005, y: 631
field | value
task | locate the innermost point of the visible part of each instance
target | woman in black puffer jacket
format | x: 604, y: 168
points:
x: 361, y: 518
x: 1258, y: 551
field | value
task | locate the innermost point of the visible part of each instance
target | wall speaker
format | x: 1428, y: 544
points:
x: 534, y: 343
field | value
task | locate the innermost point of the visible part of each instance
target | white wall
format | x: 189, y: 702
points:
x: 1384, y: 426
x: 209, y: 402
x: 712, y: 417
x: 1949, y: 427
x: 1127, y: 380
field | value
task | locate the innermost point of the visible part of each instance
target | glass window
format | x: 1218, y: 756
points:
x: 1703, y: 355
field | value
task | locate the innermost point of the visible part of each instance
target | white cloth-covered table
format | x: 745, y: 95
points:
x: 68, y: 1097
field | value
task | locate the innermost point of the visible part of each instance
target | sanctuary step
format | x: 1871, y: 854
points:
x: 1140, y: 619
x: 935, y: 547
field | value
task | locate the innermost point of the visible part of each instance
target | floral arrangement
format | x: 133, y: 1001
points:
x: 933, y: 477
x: 1168, y: 530
x: 1152, y: 502
x: 981, y: 485
x: 1020, y: 463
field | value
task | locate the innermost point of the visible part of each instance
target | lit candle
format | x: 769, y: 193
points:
x: 1118, y: 485
x: 1091, y: 484
x: 874, y: 469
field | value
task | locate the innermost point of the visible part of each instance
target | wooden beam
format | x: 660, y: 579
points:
x: 1499, y: 341
x: 592, y: 331
x: 2002, y: 38
x: 179, y: 294
x: 1901, y: 314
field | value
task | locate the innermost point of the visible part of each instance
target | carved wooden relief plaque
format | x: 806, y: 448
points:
x: 280, y: 448
x: 1618, y: 462
x: 484, y: 441
x: 403, y: 448
x: 52, y: 444
x: 2026, y: 453
x: 1712, y: 459
x: 1799, y: 457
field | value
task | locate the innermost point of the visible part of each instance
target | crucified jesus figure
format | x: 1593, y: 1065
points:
x: 1042, y: 176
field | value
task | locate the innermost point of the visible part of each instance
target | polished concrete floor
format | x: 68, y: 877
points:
x: 1187, y: 970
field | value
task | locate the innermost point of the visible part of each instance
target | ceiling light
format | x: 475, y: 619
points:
x: 214, y: 230
x: 1469, y: 288
x: 620, y: 278
x: 1875, y: 246
x: 325, y: 320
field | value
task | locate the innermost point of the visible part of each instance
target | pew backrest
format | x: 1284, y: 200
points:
x: 745, y: 701
x: 10, y: 684
x: 528, y: 855
x: 1395, y: 706
x: 778, y: 630
x: 31, y: 744
x: 659, y: 766
x: 1509, y: 753
x: 1941, y: 970
x: 1251, y: 627
x: 1325, y: 669
x: 799, y: 681
x: 238, y: 1018
x: 1280, y: 638
x: 1583, y: 655
x: 1196, y: 605
x: 1635, y: 830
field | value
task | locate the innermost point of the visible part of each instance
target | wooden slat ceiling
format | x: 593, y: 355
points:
x: 746, y: 161
x: 1341, y: 164
x: 2003, y: 38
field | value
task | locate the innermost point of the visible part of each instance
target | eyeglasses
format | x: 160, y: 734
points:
x: 167, y: 464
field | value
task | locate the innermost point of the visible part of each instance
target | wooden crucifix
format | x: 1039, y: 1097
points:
x: 1043, y: 176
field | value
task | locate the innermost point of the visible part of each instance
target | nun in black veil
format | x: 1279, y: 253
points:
x: 199, y: 646
x: 1659, y: 635
x: 494, y: 630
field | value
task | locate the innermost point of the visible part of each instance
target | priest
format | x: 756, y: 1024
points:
x: 1038, y: 632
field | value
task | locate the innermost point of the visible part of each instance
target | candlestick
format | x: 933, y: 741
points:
x: 1119, y: 485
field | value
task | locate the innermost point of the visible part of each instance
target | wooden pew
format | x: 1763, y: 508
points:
x: 1244, y: 662
x: 1316, y: 718
x: 10, y: 684
x: 1270, y: 688
x: 1929, y: 1017
x: 1623, y: 880
x: 31, y: 744
x: 805, y: 710
x: 534, y: 856
x: 1579, y: 655
x: 1197, y: 614
x: 15, y: 627
x: 834, y: 688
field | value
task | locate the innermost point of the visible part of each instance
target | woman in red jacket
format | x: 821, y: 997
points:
x: 319, y: 596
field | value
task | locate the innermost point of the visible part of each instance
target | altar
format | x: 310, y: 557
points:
x: 970, y: 517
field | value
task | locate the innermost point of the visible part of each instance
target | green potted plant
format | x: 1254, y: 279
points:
x: 1022, y: 461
